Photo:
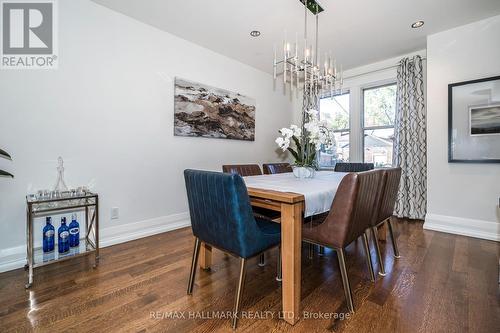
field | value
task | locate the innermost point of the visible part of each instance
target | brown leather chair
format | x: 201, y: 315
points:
x: 242, y: 169
x: 350, y: 216
x: 274, y: 168
x: 386, y: 201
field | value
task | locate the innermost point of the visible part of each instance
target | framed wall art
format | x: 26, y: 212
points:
x: 205, y: 111
x: 474, y: 121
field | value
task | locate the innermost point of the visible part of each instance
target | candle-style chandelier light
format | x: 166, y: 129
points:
x: 308, y: 69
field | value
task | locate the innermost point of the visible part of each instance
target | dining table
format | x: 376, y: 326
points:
x: 295, y: 199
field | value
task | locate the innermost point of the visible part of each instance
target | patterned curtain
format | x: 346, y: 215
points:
x: 410, y: 150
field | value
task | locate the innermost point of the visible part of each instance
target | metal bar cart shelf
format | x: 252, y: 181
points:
x: 65, y: 202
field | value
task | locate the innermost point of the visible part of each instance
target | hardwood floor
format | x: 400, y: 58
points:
x: 442, y: 283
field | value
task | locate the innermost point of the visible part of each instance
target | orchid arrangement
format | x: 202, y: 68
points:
x: 307, y: 140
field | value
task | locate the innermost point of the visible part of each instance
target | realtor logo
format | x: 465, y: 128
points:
x: 28, y: 34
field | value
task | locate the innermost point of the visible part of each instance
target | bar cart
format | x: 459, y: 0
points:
x: 60, y: 203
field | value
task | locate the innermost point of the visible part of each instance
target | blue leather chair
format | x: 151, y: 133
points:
x: 252, y: 170
x: 222, y: 217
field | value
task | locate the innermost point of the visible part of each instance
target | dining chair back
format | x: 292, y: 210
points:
x: 352, y: 208
x: 392, y: 177
x: 242, y: 169
x: 252, y: 170
x: 386, y: 201
x: 353, y: 167
x: 221, y: 214
x: 274, y: 168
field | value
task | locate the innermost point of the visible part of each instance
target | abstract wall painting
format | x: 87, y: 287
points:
x: 204, y: 111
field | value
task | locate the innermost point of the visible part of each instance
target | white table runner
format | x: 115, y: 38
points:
x: 318, y: 191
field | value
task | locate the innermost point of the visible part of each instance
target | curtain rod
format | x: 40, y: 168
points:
x: 380, y: 69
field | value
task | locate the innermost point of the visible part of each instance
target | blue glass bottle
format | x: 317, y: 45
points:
x: 74, y: 232
x: 63, y: 237
x: 48, y: 235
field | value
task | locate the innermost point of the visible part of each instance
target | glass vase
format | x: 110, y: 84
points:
x: 303, y: 172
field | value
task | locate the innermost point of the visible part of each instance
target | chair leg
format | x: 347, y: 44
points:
x: 368, y: 257
x: 194, y: 263
x: 278, y: 269
x: 239, y: 292
x: 345, y: 279
x: 393, y: 239
x: 321, y: 251
x: 310, y: 248
x: 262, y: 260
x: 379, y: 255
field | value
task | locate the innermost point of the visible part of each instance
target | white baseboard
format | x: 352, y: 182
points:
x: 130, y: 231
x: 463, y: 226
x: 12, y: 258
x: 15, y: 257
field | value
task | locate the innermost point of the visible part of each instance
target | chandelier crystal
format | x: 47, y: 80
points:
x: 305, y: 69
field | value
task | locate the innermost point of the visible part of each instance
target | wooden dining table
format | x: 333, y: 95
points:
x: 289, y: 196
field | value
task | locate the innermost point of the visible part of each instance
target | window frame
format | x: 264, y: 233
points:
x: 348, y: 130
x: 362, y: 113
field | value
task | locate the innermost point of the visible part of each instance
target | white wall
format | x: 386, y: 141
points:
x: 108, y: 111
x: 462, y: 198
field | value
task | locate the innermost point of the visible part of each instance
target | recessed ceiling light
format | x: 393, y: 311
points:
x: 417, y: 24
x: 255, y: 33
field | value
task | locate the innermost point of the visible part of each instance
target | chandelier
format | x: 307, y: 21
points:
x: 308, y: 69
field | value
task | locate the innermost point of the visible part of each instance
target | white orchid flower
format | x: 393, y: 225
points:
x: 286, y: 132
x: 297, y: 131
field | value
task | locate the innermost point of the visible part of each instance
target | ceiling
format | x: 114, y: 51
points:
x: 357, y: 32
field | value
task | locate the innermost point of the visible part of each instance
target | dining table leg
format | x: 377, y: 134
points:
x: 205, y: 256
x: 291, y: 241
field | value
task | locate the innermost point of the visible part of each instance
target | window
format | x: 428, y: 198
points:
x: 335, y: 111
x: 379, y: 110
